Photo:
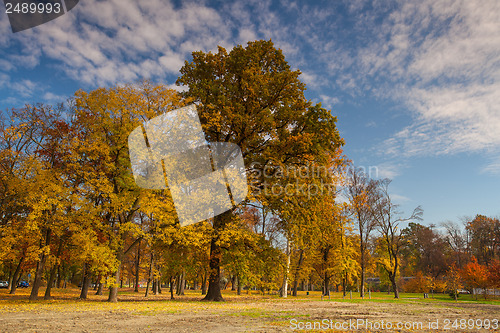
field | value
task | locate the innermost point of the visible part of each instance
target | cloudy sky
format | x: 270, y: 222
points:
x: 414, y: 84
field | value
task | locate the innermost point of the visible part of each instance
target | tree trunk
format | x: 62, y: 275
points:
x: 392, y: 278
x: 100, y: 287
x: 344, y: 283
x: 326, y: 285
x: 284, y: 286
x: 85, y: 282
x: 214, y: 292
x: 15, y: 277
x: 171, y: 287
x: 297, y: 270
x: 150, y: 275
x: 233, y: 283
x: 182, y: 283
x: 155, y: 286
x: 113, y: 290
x: 59, y: 275
x: 37, y: 283
x: 204, y: 283
x: 53, y: 272
x: 239, y: 285
x: 362, y: 278
x: 137, y: 266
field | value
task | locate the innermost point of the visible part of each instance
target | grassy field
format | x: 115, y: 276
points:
x: 245, y: 313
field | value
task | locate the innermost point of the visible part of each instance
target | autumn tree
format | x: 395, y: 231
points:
x: 454, y: 280
x: 484, y: 238
x: 475, y: 275
x: 104, y: 118
x: 251, y: 97
x: 456, y: 240
x: 391, y: 242
x: 425, y: 250
x: 361, y: 192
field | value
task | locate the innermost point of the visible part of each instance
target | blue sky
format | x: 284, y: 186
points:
x: 414, y: 83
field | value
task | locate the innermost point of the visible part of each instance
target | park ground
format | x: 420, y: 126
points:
x: 246, y: 313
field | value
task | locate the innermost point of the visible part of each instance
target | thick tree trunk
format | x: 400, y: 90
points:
x: 15, y: 277
x: 326, y: 285
x: 214, y: 292
x: 239, y: 285
x: 392, y: 278
x: 85, y: 282
x: 37, y: 283
x: 113, y: 290
x: 100, y: 287
x: 182, y: 283
x: 233, y: 283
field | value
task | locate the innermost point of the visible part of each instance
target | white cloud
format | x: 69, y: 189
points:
x: 399, y: 198
x: 329, y: 102
x: 53, y: 98
x: 445, y: 57
x: 385, y: 170
x: 493, y: 167
x: 116, y: 41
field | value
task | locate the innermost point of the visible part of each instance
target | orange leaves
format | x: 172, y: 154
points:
x: 475, y: 275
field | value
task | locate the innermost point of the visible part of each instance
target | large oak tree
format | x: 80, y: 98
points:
x: 250, y: 96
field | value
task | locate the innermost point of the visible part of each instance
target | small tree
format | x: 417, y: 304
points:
x: 475, y: 275
x: 391, y: 241
x: 454, y: 280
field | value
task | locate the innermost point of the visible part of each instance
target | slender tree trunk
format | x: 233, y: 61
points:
x: 178, y: 286
x: 137, y: 267
x: 11, y: 271
x: 37, y: 283
x: 362, y: 278
x: 344, y: 285
x: 53, y: 271
x: 15, y: 277
x: 150, y: 275
x: 284, y: 286
x: 171, y: 287
x: 204, y: 283
x: 59, y: 275
x: 214, y: 292
x: 195, y: 283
